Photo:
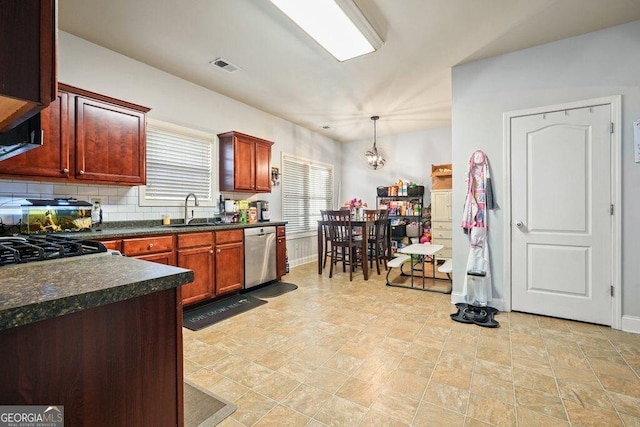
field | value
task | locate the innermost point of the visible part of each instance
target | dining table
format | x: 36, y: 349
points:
x: 356, y: 223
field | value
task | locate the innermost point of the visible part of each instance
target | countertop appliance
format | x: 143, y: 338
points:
x: 259, y: 256
x: 264, y: 214
x: 43, y: 247
x: 24, y: 137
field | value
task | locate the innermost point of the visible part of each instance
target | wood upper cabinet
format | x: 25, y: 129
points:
x: 229, y: 260
x: 245, y: 163
x: 52, y: 159
x: 281, y: 251
x: 88, y: 137
x: 195, y: 252
x: 28, y: 79
x: 110, y: 142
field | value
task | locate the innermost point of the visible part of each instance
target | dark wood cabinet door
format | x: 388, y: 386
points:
x: 201, y: 261
x: 230, y: 267
x: 110, y: 142
x: 244, y: 164
x: 263, y: 167
x: 27, y: 59
x: 52, y: 159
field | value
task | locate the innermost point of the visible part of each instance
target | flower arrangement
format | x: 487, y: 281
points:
x: 355, y: 203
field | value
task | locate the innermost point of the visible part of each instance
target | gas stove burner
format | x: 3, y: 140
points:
x: 17, y: 250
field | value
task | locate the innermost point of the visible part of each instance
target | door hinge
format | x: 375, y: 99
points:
x: 611, y: 127
x: 612, y: 290
x: 611, y: 209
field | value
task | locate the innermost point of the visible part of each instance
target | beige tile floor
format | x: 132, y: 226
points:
x: 340, y: 353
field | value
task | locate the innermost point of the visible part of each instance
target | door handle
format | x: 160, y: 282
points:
x: 519, y: 224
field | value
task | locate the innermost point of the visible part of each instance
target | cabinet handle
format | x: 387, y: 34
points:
x: 81, y: 172
x: 65, y: 171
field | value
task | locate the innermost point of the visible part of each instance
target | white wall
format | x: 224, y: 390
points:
x: 598, y: 64
x: 408, y: 156
x: 89, y: 66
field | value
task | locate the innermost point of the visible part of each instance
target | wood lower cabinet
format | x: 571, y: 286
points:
x: 115, y: 244
x: 245, y: 163
x: 28, y: 77
x: 88, y: 138
x: 229, y: 261
x: 158, y: 249
x: 281, y: 251
x: 195, y: 252
x: 115, y: 365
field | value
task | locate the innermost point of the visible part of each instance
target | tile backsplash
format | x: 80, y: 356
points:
x: 118, y: 203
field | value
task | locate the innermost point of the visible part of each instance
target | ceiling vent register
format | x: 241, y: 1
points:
x: 225, y: 65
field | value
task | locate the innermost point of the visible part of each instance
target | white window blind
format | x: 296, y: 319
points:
x: 179, y: 161
x: 307, y: 188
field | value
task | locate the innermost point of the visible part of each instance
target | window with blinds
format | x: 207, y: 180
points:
x: 179, y: 162
x: 307, y: 188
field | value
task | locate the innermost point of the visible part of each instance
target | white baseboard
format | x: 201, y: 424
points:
x: 457, y: 297
x: 302, y: 261
x: 631, y: 324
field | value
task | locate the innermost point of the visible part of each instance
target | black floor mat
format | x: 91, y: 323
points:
x: 208, y: 314
x: 273, y: 290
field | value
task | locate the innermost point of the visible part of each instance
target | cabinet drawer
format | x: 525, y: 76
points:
x: 444, y: 242
x: 440, y: 225
x: 147, y: 245
x: 115, y: 245
x: 192, y: 240
x: 229, y: 236
x: 441, y: 234
x: 281, y: 231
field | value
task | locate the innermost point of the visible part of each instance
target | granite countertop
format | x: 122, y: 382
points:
x: 46, y: 289
x: 154, y: 230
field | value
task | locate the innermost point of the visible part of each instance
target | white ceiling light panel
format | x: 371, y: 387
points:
x: 337, y: 25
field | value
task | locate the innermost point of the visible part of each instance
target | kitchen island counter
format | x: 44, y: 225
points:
x: 99, y: 335
x: 42, y: 290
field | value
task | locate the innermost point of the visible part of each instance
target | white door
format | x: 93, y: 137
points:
x: 561, y: 219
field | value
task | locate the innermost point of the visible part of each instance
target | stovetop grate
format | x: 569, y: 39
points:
x: 23, y: 249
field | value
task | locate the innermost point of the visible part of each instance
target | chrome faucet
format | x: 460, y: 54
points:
x: 186, y: 201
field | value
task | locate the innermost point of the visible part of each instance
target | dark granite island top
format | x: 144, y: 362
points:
x: 43, y: 290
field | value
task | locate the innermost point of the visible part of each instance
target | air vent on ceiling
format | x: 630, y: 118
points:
x: 225, y: 65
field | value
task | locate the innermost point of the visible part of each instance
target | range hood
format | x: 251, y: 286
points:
x: 24, y: 137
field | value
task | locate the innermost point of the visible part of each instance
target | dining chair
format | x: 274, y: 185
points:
x: 326, y: 237
x: 377, y: 237
x: 344, y: 245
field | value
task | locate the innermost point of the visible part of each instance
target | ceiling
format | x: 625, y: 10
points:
x: 407, y: 82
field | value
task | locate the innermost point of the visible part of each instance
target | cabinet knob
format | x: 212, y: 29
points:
x: 65, y: 171
x: 150, y: 245
x: 81, y: 172
x: 218, y: 251
x: 519, y: 224
x: 211, y: 251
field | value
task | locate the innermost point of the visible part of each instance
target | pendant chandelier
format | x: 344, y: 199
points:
x: 374, y: 159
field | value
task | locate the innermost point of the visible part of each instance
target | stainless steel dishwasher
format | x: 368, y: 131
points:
x: 259, y: 256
